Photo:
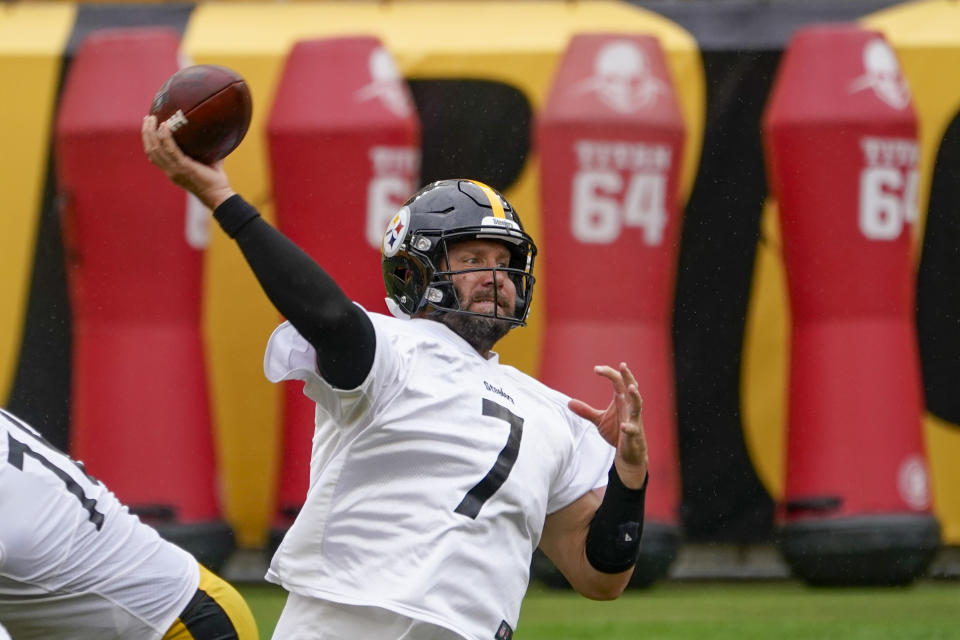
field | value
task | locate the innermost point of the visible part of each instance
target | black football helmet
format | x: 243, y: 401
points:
x: 442, y: 213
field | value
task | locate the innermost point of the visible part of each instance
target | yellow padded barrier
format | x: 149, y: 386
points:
x: 763, y: 379
x: 32, y: 39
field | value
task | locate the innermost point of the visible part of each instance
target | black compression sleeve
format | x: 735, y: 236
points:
x: 234, y: 213
x: 613, y: 541
x: 304, y: 294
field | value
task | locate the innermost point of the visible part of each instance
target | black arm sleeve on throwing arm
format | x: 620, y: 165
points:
x: 304, y: 294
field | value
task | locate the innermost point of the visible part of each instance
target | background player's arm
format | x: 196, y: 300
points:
x: 298, y: 287
x: 582, y: 536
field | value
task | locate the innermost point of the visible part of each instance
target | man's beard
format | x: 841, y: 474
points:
x: 480, y: 332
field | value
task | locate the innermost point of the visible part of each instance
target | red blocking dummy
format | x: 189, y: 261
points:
x: 610, y: 142
x: 344, y: 141
x: 140, y: 417
x: 841, y: 144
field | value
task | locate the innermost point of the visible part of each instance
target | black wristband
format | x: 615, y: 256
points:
x: 613, y: 540
x: 234, y: 213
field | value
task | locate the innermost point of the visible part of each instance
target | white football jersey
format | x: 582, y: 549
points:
x: 430, y: 483
x: 74, y: 563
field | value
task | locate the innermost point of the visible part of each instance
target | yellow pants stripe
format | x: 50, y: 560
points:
x: 230, y: 608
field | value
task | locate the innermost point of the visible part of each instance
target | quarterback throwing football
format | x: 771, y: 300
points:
x: 436, y: 471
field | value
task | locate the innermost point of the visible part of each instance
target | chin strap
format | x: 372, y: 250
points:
x: 395, y: 309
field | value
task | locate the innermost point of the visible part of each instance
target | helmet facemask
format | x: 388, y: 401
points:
x: 443, y: 295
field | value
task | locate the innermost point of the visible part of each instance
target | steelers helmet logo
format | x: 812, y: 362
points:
x: 396, y: 232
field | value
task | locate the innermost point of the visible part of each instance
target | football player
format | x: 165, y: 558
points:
x: 436, y: 471
x: 76, y: 564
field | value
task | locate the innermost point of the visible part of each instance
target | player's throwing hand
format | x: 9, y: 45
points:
x: 209, y: 183
x: 621, y: 423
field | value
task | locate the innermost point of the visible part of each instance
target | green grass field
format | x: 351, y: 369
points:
x: 717, y: 611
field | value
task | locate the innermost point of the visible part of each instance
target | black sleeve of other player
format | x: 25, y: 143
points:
x: 304, y: 294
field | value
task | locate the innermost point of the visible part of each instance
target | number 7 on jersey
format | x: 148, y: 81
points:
x: 482, y: 491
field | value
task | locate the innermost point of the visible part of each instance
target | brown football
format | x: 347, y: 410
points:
x: 208, y: 108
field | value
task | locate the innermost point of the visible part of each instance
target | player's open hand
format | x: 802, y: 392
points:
x: 208, y: 182
x: 621, y: 423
